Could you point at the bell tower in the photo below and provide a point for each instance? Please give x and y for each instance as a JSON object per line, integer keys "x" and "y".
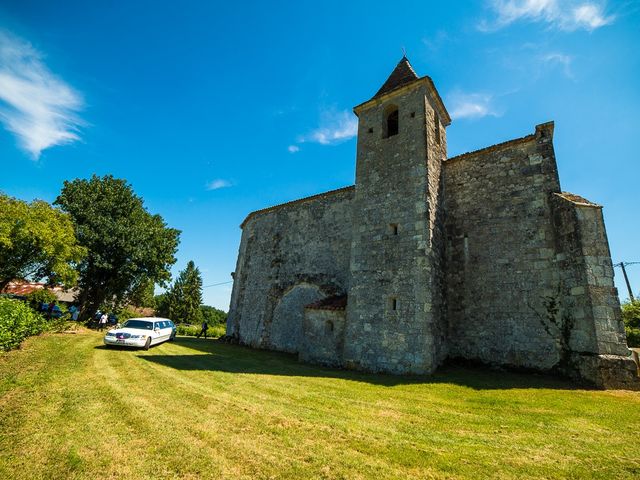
{"x": 395, "y": 312}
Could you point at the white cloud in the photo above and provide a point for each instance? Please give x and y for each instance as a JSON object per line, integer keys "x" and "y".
{"x": 590, "y": 16}
{"x": 335, "y": 127}
{"x": 566, "y": 15}
{"x": 218, "y": 184}
{"x": 560, "y": 59}
{"x": 471, "y": 105}
{"x": 293, "y": 148}
{"x": 35, "y": 105}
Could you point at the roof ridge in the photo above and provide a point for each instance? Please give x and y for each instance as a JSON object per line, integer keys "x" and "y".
{"x": 495, "y": 146}
{"x": 542, "y": 130}
{"x": 292, "y": 202}
{"x": 577, "y": 199}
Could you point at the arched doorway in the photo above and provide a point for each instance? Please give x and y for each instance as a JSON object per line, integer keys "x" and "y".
{"x": 286, "y": 326}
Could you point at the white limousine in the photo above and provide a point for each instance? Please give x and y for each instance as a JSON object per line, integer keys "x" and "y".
{"x": 141, "y": 332}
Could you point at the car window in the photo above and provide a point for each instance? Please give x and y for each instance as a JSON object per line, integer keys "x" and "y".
{"x": 163, "y": 324}
{"x": 138, "y": 324}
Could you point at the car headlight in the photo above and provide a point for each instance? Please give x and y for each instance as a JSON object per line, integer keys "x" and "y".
{"x": 139, "y": 336}
{"x": 109, "y": 334}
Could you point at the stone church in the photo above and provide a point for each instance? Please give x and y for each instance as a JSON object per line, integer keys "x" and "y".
{"x": 427, "y": 258}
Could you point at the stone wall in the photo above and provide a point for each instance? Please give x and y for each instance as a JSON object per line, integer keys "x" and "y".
{"x": 501, "y": 258}
{"x": 393, "y": 314}
{"x": 323, "y": 336}
{"x": 290, "y": 255}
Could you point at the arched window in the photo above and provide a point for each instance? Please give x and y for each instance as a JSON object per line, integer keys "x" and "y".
{"x": 391, "y": 121}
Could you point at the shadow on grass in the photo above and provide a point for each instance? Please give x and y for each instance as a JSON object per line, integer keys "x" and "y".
{"x": 118, "y": 347}
{"x": 239, "y": 359}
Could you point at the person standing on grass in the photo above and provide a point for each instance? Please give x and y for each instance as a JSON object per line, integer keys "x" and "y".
{"x": 103, "y": 321}
{"x": 204, "y": 330}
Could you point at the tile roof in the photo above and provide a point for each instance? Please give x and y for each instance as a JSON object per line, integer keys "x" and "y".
{"x": 337, "y": 302}
{"x": 572, "y": 197}
{"x": 22, "y": 288}
{"x": 402, "y": 75}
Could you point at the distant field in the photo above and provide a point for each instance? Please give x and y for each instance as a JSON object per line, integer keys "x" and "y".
{"x": 70, "y": 408}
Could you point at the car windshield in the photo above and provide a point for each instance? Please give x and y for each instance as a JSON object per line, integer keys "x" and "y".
{"x": 141, "y": 324}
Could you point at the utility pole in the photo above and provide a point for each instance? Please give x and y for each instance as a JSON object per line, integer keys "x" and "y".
{"x": 626, "y": 278}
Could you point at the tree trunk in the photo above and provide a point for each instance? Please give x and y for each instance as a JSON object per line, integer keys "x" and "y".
{"x": 4, "y": 283}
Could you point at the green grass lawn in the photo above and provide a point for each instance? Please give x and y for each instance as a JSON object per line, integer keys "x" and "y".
{"x": 69, "y": 408}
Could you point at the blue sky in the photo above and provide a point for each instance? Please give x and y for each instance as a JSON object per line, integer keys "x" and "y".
{"x": 213, "y": 111}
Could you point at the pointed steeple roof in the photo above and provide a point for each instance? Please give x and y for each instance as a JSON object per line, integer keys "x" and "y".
{"x": 401, "y": 75}
{"x": 404, "y": 77}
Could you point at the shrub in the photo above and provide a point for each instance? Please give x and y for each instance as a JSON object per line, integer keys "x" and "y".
{"x": 41, "y": 296}
{"x": 217, "y": 330}
{"x": 17, "y": 322}
{"x": 192, "y": 330}
{"x": 633, "y": 336}
{"x": 631, "y": 318}
{"x": 125, "y": 314}
{"x": 188, "y": 330}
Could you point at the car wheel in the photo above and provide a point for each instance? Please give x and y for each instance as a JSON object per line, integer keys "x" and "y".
{"x": 172, "y": 337}
{"x": 148, "y": 344}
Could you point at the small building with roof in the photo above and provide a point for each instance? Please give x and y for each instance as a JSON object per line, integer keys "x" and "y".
{"x": 22, "y": 288}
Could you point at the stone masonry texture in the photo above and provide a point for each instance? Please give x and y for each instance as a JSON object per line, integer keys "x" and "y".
{"x": 479, "y": 257}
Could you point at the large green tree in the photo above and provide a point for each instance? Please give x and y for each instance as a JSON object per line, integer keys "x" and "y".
{"x": 128, "y": 247}
{"x": 161, "y": 304}
{"x": 37, "y": 242}
{"x": 143, "y": 295}
{"x": 185, "y": 296}
{"x": 212, "y": 315}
